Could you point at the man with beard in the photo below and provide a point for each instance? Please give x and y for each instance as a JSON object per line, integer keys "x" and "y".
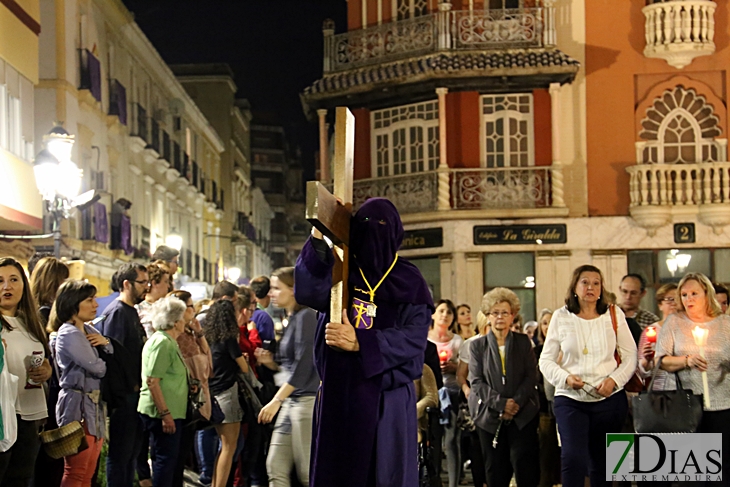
{"x": 365, "y": 430}
{"x": 122, "y": 323}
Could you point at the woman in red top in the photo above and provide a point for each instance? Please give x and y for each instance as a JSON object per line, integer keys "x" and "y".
{"x": 249, "y": 339}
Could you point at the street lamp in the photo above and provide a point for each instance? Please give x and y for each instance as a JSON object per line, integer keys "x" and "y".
{"x": 174, "y": 240}
{"x": 59, "y": 181}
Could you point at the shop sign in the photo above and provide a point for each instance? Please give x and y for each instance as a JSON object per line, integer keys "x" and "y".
{"x": 425, "y": 238}
{"x": 520, "y": 234}
{"x": 684, "y": 233}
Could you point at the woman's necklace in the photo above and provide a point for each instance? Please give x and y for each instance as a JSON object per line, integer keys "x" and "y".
{"x": 585, "y": 341}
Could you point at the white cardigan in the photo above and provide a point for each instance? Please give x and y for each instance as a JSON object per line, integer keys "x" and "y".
{"x": 570, "y": 334}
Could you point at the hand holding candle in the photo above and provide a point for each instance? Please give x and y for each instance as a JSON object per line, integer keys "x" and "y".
{"x": 651, "y": 341}
{"x": 700, "y": 336}
{"x": 443, "y": 356}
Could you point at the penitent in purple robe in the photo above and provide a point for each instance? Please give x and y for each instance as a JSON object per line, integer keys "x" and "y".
{"x": 365, "y": 430}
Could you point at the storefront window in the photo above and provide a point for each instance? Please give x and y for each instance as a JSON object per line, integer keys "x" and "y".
{"x": 515, "y": 271}
{"x": 430, "y": 267}
{"x": 662, "y": 266}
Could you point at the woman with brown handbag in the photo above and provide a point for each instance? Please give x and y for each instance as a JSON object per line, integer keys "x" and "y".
{"x": 589, "y": 381}
{"x": 80, "y": 372}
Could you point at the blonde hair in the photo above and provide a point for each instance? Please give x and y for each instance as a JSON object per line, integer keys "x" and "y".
{"x": 712, "y": 307}
{"x": 500, "y": 295}
{"x": 482, "y": 323}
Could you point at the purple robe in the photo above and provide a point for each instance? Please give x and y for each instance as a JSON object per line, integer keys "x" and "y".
{"x": 365, "y": 428}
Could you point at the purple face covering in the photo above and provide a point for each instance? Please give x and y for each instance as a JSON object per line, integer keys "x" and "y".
{"x": 376, "y": 233}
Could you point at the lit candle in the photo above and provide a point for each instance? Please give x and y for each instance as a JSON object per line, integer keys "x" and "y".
{"x": 651, "y": 334}
{"x": 700, "y": 336}
{"x": 443, "y": 356}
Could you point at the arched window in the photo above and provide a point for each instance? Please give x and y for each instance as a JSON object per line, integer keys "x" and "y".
{"x": 680, "y": 128}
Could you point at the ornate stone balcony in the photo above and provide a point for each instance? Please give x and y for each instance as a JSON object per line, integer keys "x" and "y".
{"x": 513, "y": 192}
{"x": 659, "y": 191}
{"x": 679, "y": 30}
{"x": 442, "y": 31}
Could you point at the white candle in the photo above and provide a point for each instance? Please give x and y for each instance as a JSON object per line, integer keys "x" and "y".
{"x": 700, "y": 336}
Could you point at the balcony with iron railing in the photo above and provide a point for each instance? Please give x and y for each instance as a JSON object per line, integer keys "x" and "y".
{"x": 445, "y": 30}
{"x": 679, "y": 30}
{"x": 118, "y": 100}
{"x": 503, "y": 191}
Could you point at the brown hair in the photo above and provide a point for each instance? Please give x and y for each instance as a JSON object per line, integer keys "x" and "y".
{"x": 713, "y": 307}
{"x": 571, "y": 300}
{"x": 244, "y": 298}
{"x": 27, "y": 308}
{"x": 183, "y": 296}
{"x": 48, "y": 275}
{"x": 449, "y": 304}
{"x": 664, "y": 290}
{"x": 70, "y": 295}
{"x": 156, "y": 272}
{"x": 286, "y": 275}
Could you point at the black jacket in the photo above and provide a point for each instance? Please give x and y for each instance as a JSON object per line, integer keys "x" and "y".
{"x": 489, "y": 392}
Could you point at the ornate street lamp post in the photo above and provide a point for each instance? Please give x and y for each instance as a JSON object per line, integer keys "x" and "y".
{"x": 59, "y": 181}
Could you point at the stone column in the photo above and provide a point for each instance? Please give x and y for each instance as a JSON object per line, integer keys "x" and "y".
{"x": 324, "y": 167}
{"x": 444, "y": 199}
{"x": 557, "y": 167}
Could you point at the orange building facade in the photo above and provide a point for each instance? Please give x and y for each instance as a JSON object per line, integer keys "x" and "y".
{"x": 520, "y": 139}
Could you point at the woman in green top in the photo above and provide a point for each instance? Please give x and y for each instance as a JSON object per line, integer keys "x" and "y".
{"x": 164, "y": 396}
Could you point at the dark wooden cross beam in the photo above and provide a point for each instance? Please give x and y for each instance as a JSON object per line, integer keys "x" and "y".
{"x": 331, "y": 213}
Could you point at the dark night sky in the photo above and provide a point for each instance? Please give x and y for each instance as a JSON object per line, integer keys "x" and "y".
{"x": 273, "y": 46}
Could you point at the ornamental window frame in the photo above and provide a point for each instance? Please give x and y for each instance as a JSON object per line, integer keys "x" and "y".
{"x": 493, "y": 111}
{"x": 409, "y": 9}
{"x": 665, "y": 116}
{"x": 401, "y": 125}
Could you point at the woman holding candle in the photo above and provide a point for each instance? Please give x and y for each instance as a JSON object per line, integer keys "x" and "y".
{"x": 448, "y": 344}
{"x": 666, "y": 298}
{"x": 702, "y": 367}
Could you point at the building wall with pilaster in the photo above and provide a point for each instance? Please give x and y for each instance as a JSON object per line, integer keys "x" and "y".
{"x": 113, "y": 114}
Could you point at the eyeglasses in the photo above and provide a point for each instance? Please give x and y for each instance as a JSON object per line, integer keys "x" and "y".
{"x": 591, "y": 390}
{"x": 251, "y": 309}
{"x": 144, "y": 282}
{"x": 500, "y": 314}
{"x": 669, "y": 300}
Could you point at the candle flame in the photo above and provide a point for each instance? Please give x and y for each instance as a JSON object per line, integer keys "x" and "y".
{"x": 700, "y": 336}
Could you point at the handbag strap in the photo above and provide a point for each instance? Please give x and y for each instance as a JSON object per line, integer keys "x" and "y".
{"x": 656, "y": 369}
{"x": 612, "y": 311}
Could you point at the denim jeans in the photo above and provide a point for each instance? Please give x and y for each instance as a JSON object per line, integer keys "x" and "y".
{"x": 206, "y": 449}
{"x": 125, "y": 437}
{"x": 165, "y": 448}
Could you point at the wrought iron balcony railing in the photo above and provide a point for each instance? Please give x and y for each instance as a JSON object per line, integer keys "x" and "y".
{"x": 467, "y": 189}
{"x": 441, "y": 31}
{"x": 90, "y": 73}
{"x": 410, "y": 193}
{"x": 503, "y": 187}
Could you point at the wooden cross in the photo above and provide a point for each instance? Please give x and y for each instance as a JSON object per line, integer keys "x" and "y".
{"x": 331, "y": 213}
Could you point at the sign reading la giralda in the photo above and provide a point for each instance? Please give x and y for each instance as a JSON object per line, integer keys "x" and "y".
{"x": 520, "y": 234}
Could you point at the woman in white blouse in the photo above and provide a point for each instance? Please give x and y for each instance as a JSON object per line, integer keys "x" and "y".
{"x": 589, "y": 401}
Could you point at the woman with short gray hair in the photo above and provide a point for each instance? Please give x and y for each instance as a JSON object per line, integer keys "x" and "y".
{"x": 164, "y": 396}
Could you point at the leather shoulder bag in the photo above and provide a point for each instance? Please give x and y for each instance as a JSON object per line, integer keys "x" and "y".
{"x": 635, "y": 384}
{"x": 677, "y": 411}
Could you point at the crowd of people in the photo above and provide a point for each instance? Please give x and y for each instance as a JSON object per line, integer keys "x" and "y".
{"x": 156, "y": 382}
{"x": 161, "y": 384}
{"x": 542, "y": 396}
